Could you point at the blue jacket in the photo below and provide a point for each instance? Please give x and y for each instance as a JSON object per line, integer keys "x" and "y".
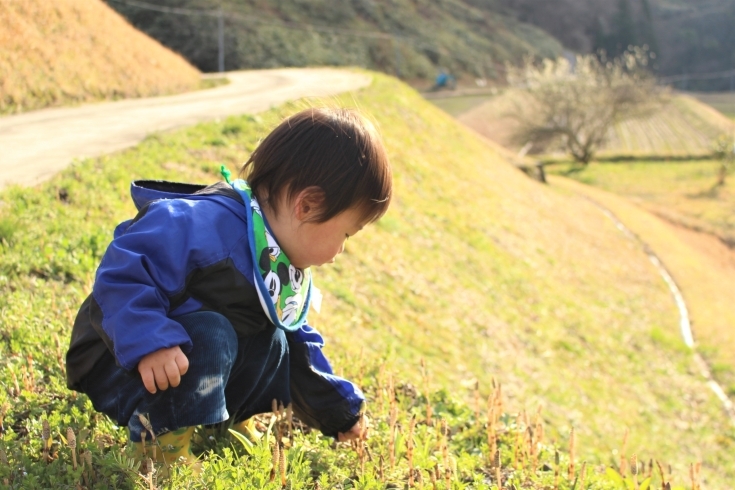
{"x": 187, "y": 250}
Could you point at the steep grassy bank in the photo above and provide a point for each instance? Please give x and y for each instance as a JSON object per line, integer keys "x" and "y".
{"x": 71, "y": 51}
{"x": 476, "y": 269}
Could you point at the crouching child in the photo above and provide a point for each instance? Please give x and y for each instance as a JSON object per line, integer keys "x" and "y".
{"x": 198, "y": 314}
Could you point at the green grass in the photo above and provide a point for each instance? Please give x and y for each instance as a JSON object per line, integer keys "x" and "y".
{"x": 683, "y": 192}
{"x": 476, "y": 269}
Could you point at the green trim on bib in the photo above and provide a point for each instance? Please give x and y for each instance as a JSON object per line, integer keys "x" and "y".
{"x": 284, "y": 290}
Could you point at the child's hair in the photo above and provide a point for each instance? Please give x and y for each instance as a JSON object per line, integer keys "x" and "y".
{"x": 337, "y": 150}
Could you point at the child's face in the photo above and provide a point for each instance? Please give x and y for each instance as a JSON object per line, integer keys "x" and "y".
{"x": 315, "y": 244}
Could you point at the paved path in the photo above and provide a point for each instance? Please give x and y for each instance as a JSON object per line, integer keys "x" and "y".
{"x": 36, "y": 145}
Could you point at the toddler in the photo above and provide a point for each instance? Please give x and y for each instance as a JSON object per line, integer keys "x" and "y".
{"x": 198, "y": 311}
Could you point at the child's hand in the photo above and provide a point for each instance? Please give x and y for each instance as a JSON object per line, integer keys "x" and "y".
{"x": 163, "y": 368}
{"x": 355, "y": 432}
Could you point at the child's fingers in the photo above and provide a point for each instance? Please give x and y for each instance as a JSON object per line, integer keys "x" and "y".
{"x": 161, "y": 378}
{"x": 353, "y": 433}
{"x": 148, "y": 381}
{"x": 182, "y": 362}
{"x": 172, "y": 374}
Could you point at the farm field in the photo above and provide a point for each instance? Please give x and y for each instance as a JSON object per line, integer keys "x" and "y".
{"x": 682, "y": 128}
{"x": 476, "y": 270}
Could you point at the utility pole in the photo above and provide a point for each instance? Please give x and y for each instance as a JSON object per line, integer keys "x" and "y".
{"x": 221, "y": 40}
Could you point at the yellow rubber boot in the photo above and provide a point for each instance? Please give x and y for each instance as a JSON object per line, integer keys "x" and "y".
{"x": 247, "y": 428}
{"x": 172, "y": 447}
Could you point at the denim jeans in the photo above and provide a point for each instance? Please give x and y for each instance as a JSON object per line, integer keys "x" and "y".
{"x": 229, "y": 378}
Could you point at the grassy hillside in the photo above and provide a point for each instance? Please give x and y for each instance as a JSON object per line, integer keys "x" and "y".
{"x": 414, "y": 38}
{"x": 70, "y": 51}
{"x": 700, "y": 215}
{"x": 476, "y": 269}
{"x": 683, "y": 128}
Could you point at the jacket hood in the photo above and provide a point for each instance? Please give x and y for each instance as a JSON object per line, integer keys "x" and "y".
{"x": 146, "y": 191}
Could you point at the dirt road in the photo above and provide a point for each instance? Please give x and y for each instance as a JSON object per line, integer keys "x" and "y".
{"x": 36, "y": 145}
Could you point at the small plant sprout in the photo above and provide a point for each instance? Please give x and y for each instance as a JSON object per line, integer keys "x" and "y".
{"x": 572, "y": 443}
{"x": 409, "y": 450}
{"x": 45, "y": 439}
{"x": 444, "y": 441}
{"x": 88, "y": 461}
{"x": 425, "y": 378}
{"x": 662, "y": 473}
{"x": 634, "y": 469}
{"x": 623, "y": 460}
{"x": 282, "y": 466}
{"x": 143, "y": 435}
{"x": 497, "y": 467}
{"x": 694, "y": 475}
{"x": 15, "y": 385}
{"x": 71, "y": 442}
{"x": 476, "y": 393}
{"x": 31, "y": 373}
{"x": 582, "y": 475}
{"x": 275, "y": 467}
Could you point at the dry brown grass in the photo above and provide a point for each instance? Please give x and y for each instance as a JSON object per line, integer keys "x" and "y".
{"x": 69, "y": 51}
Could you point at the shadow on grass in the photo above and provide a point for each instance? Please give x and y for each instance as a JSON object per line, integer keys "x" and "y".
{"x": 572, "y": 170}
{"x": 710, "y": 193}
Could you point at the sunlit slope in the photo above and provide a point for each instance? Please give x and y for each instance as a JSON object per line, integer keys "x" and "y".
{"x": 76, "y": 50}
{"x": 702, "y": 266}
{"x": 476, "y": 269}
{"x": 486, "y": 273}
{"x": 682, "y": 127}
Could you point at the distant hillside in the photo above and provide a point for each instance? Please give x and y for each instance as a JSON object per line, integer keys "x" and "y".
{"x": 77, "y": 50}
{"x": 690, "y": 36}
{"x": 684, "y": 127}
{"x": 418, "y": 37}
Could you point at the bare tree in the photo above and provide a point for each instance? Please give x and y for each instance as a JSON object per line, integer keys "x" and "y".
{"x": 576, "y": 101}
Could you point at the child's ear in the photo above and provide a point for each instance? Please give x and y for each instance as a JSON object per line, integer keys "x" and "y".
{"x": 308, "y": 203}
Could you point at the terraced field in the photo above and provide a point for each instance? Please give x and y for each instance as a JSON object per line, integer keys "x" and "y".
{"x": 682, "y": 128}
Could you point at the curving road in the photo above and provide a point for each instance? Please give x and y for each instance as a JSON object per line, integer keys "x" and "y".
{"x": 36, "y": 145}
